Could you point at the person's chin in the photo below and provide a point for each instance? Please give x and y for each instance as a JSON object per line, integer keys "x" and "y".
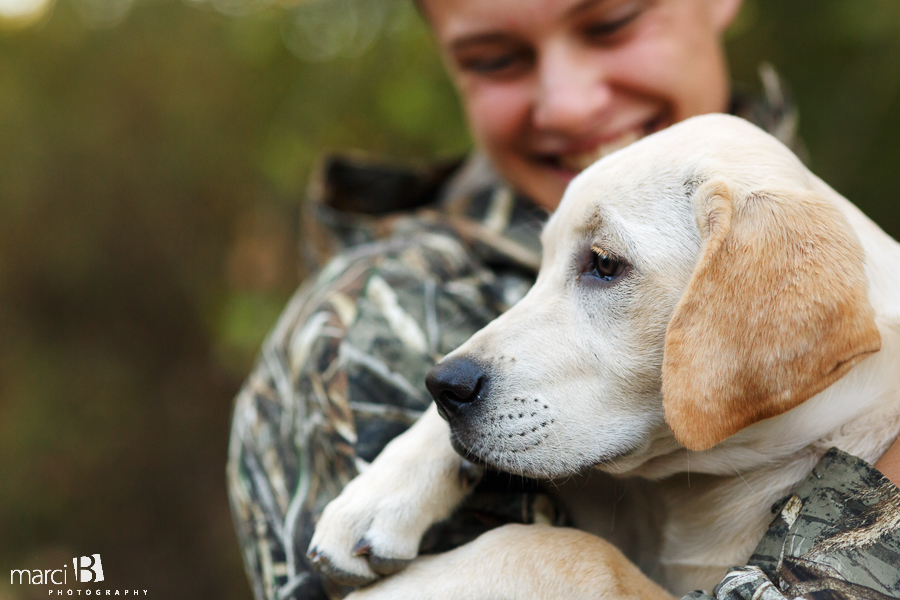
{"x": 549, "y": 190}
{"x": 562, "y": 175}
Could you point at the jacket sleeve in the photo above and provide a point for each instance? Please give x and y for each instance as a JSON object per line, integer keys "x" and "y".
{"x": 838, "y": 536}
{"x": 341, "y": 374}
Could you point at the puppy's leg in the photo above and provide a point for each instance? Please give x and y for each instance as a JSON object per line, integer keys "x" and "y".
{"x": 375, "y": 526}
{"x": 521, "y": 562}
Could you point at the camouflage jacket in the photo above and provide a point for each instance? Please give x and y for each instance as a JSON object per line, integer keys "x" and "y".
{"x": 837, "y": 536}
{"x": 343, "y": 371}
{"x": 414, "y": 264}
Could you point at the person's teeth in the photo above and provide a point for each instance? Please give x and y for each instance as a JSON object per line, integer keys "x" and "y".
{"x": 581, "y": 161}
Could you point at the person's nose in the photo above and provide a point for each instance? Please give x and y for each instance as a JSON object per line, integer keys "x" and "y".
{"x": 572, "y": 91}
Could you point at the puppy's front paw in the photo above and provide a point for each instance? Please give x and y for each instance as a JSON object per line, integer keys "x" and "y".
{"x": 375, "y": 526}
{"x": 365, "y": 532}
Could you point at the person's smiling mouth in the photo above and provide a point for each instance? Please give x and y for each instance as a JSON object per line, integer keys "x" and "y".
{"x": 573, "y": 162}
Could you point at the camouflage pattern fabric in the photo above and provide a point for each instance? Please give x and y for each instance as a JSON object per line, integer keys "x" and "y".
{"x": 838, "y": 536}
{"x": 421, "y": 261}
{"x": 343, "y": 371}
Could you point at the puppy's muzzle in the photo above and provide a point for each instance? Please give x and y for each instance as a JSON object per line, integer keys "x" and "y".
{"x": 455, "y": 384}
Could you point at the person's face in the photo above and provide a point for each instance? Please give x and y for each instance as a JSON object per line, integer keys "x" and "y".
{"x": 550, "y": 86}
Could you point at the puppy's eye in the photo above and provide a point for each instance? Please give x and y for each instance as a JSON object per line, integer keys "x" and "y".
{"x": 606, "y": 266}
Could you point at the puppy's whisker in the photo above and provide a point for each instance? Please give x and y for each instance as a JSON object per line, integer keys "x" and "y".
{"x": 612, "y": 461}
{"x": 518, "y": 467}
{"x": 454, "y": 437}
{"x": 688, "y": 453}
{"x": 554, "y": 483}
{"x": 739, "y": 473}
{"x": 556, "y": 435}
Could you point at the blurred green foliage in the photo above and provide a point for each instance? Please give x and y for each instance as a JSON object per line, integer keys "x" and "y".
{"x": 842, "y": 61}
{"x": 152, "y": 164}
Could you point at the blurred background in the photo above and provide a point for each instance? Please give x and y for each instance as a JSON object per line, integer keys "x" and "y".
{"x": 153, "y": 157}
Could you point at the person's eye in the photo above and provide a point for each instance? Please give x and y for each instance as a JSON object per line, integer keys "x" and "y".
{"x": 499, "y": 65}
{"x": 607, "y": 29}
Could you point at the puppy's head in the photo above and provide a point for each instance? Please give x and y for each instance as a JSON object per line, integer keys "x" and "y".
{"x": 692, "y": 285}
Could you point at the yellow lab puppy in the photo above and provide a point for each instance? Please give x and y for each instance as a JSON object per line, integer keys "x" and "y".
{"x": 705, "y": 306}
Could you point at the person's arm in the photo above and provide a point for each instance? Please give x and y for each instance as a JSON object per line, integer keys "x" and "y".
{"x": 838, "y": 535}
{"x": 291, "y": 443}
{"x": 308, "y": 416}
{"x": 339, "y": 377}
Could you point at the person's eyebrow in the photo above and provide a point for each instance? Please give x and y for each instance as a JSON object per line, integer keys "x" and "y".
{"x": 495, "y": 37}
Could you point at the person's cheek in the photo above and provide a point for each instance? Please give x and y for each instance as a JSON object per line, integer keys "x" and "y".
{"x": 498, "y": 116}
{"x": 691, "y": 55}
{"x": 654, "y": 67}
{"x": 658, "y": 60}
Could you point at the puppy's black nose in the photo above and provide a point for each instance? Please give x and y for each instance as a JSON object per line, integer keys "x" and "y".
{"x": 454, "y": 384}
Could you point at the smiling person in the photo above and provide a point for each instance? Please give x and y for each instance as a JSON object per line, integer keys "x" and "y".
{"x": 551, "y": 86}
{"x": 414, "y": 263}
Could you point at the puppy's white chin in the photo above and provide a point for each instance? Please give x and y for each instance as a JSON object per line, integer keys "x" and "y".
{"x": 540, "y": 459}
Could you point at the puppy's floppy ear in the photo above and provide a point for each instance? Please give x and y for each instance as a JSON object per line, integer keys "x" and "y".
{"x": 775, "y": 312}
